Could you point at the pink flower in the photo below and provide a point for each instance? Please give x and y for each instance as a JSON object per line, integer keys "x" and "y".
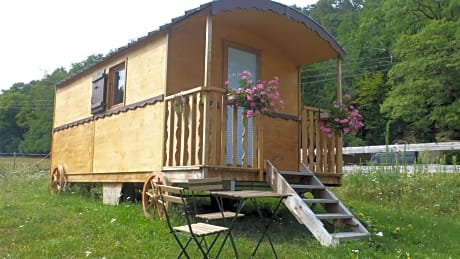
{"x": 256, "y": 97}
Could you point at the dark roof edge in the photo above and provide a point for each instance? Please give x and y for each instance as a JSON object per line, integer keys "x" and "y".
{"x": 227, "y": 5}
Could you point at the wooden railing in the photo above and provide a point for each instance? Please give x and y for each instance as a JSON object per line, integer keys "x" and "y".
{"x": 322, "y": 154}
{"x": 196, "y": 131}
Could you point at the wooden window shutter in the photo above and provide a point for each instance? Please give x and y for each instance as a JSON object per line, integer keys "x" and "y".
{"x": 98, "y": 96}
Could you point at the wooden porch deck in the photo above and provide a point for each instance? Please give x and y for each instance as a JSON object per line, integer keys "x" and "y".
{"x": 195, "y": 140}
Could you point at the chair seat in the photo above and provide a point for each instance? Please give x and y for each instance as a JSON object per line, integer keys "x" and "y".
{"x": 201, "y": 229}
{"x": 218, "y": 215}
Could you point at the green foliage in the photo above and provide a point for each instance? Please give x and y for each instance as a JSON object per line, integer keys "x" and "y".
{"x": 403, "y": 66}
{"x": 425, "y": 92}
{"x": 26, "y": 111}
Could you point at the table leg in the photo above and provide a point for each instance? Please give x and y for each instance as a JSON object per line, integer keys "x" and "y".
{"x": 267, "y": 224}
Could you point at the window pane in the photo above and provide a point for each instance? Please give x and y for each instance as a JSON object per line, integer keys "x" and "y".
{"x": 119, "y": 86}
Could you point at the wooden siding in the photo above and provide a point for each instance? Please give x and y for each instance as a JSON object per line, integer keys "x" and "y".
{"x": 73, "y": 102}
{"x": 186, "y": 53}
{"x": 73, "y": 148}
{"x": 146, "y": 71}
{"x": 146, "y": 66}
{"x": 281, "y": 143}
{"x": 129, "y": 142}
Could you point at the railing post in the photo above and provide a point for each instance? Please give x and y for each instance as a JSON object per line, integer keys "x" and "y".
{"x": 260, "y": 146}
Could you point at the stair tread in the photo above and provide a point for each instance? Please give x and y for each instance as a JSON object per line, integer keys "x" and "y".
{"x": 320, "y": 200}
{"x": 308, "y": 186}
{"x": 306, "y": 215}
{"x": 333, "y": 216}
{"x": 296, "y": 173}
{"x": 349, "y": 235}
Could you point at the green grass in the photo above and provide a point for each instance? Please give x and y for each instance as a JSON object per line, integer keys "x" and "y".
{"x": 23, "y": 164}
{"x": 417, "y": 216}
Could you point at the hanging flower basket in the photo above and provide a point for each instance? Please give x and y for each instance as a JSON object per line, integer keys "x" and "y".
{"x": 343, "y": 118}
{"x": 255, "y": 97}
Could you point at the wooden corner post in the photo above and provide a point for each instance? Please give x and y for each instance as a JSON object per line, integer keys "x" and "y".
{"x": 206, "y": 83}
{"x": 339, "y": 144}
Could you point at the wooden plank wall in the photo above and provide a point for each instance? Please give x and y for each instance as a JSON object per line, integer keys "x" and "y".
{"x": 73, "y": 148}
{"x": 129, "y": 142}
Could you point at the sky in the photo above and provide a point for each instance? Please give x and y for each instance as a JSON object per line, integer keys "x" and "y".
{"x": 38, "y": 36}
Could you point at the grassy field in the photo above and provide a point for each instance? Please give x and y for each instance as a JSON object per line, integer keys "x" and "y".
{"x": 410, "y": 216}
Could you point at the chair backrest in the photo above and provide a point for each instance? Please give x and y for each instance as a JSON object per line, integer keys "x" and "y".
{"x": 205, "y": 184}
{"x": 170, "y": 194}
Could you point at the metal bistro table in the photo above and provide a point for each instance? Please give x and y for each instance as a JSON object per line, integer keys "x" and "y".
{"x": 242, "y": 196}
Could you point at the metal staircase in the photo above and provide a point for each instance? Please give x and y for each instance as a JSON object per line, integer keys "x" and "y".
{"x": 314, "y": 206}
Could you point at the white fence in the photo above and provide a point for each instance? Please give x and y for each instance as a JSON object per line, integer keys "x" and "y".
{"x": 402, "y": 147}
{"x": 429, "y": 168}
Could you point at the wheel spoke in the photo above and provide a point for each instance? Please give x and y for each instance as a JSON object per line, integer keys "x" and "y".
{"x": 151, "y": 194}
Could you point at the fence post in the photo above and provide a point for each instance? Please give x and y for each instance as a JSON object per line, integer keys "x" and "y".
{"x": 14, "y": 162}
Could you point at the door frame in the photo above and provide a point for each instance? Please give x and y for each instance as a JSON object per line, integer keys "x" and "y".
{"x": 226, "y": 46}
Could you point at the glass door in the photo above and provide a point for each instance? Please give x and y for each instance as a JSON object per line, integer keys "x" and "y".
{"x": 237, "y": 61}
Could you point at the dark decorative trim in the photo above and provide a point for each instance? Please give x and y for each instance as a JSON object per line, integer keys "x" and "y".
{"x": 283, "y": 116}
{"x": 228, "y": 5}
{"x": 133, "y": 106}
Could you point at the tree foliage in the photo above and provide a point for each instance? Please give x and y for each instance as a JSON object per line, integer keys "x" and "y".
{"x": 402, "y": 65}
{"x": 26, "y": 111}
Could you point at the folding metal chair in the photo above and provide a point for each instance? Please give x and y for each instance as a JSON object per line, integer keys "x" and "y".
{"x": 194, "y": 232}
{"x": 205, "y": 185}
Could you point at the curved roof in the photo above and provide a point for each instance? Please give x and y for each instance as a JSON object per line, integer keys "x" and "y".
{"x": 218, "y": 6}
{"x": 280, "y": 9}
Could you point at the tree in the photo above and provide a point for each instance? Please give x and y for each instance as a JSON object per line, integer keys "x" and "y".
{"x": 36, "y": 113}
{"x": 26, "y": 110}
{"x": 425, "y": 90}
{"x": 10, "y": 131}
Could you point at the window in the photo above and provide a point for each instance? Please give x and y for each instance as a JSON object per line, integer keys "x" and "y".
{"x": 116, "y": 88}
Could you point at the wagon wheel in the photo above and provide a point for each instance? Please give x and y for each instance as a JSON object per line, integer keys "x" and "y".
{"x": 151, "y": 195}
{"x": 58, "y": 180}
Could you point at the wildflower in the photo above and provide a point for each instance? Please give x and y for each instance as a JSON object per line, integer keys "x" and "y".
{"x": 397, "y": 229}
{"x": 356, "y": 251}
{"x": 380, "y": 234}
{"x": 410, "y": 227}
{"x": 113, "y": 220}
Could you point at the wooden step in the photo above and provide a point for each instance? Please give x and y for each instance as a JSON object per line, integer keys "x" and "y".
{"x": 333, "y": 216}
{"x": 349, "y": 235}
{"x": 307, "y": 187}
{"x": 296, "y": 173}
{"x": 300, "y": 207}
{"x": 322, "y": 201}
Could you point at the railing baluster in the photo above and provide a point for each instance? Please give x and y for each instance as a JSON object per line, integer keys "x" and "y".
{"x": 319, "y": 145}
{"x": 255, "y": 141}
{"x": 199, "y": 133}
{"x": 234, "y": 135}
{"x": 244, "y": 142}
{"x": 193, "y": 131}
{"x": 167, "y": 136}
